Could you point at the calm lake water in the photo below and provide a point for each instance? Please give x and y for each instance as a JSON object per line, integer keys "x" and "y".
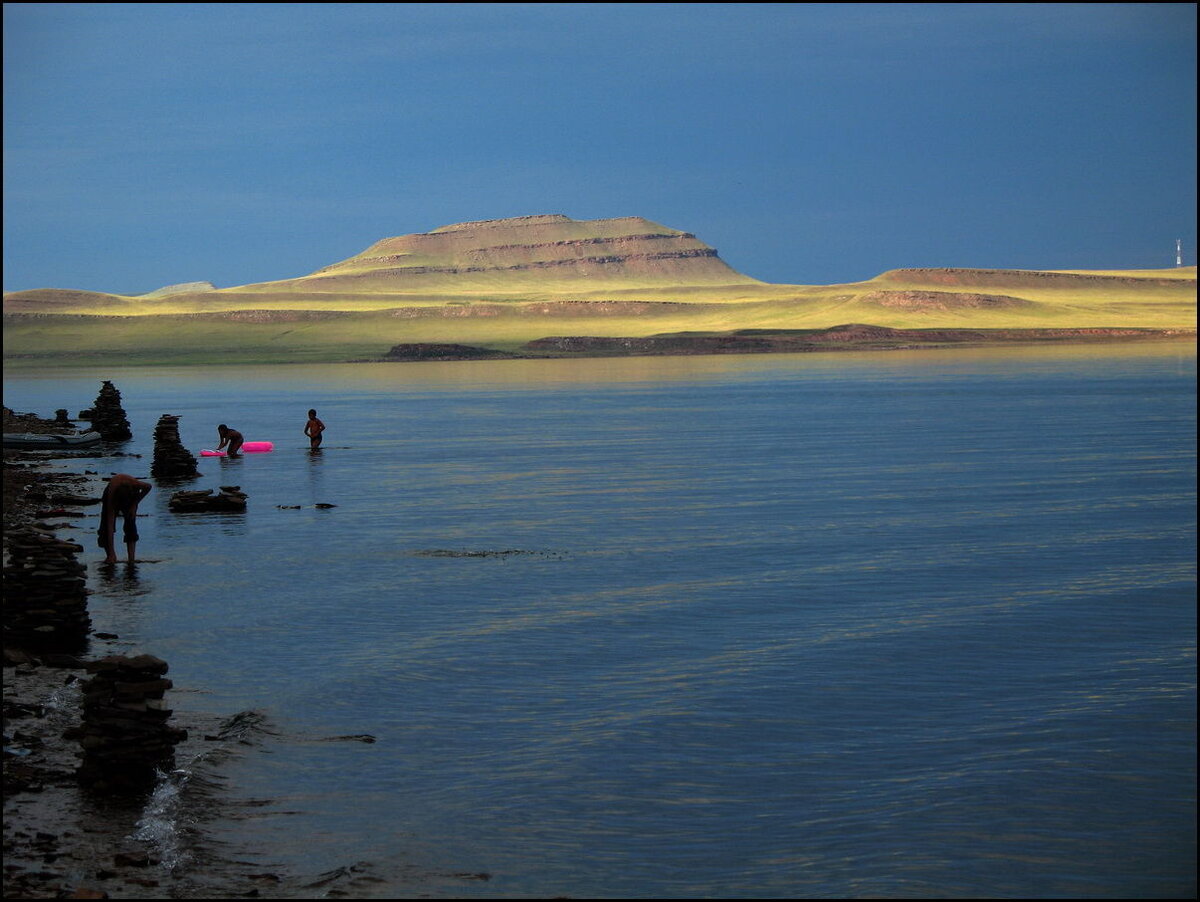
{"x": 843, "y": 625}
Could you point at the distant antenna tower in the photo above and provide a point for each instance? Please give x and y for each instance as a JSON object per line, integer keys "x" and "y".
{"x": 1178, "y": 252}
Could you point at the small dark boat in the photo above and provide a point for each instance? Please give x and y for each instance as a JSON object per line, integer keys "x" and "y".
{"x": 32, "y": 441}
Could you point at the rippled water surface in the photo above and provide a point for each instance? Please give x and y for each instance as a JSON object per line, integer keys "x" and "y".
{"x": 903, "y": 624}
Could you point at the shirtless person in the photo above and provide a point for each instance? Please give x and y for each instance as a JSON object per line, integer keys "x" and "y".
{"x": 313, "y": 429}
{"x": 121, "y": 496}
{"x": 232, "y": 437}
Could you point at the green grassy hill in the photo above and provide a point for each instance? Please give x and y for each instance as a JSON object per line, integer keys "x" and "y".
{"x": 502, "y": 283}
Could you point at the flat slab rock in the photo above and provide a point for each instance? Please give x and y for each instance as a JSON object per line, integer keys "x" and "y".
{"x": 230, "y": 498}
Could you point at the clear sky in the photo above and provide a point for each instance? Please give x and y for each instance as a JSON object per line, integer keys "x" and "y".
{"x": 152, "y": 144}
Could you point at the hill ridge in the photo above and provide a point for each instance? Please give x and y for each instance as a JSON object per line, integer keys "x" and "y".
{"x": 956, "y": 276}
{"x": 628, "y": 249}
{"x": 499, "y": 283}
{"x": 530, "y": 219}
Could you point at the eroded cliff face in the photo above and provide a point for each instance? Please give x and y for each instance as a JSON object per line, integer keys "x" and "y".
{"x": 1022, "y": 278}
{"x": 531, "y": 249}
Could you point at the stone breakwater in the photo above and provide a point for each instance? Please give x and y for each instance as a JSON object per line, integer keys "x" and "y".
{"x": 125, "y": 737}
{"x": 45, "y": 592}
{"x": 171, "y": 459}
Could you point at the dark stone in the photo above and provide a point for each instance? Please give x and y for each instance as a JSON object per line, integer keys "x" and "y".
{"x": 171, "y": 459}
{"x": 417, "y": 352}
{"x": 108, "y": 417}
{"x": 60, "y": 660}
{"x": 124, "y": 736}
{"x": 205, "y": 500}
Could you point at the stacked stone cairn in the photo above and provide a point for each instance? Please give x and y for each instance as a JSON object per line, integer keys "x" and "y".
{"x": 125, "y": 736}
{"x": 230, "y": 498}
{"x": 45, "y": 592}
{"x": 171, "y": 459}
{"x": 107, "y": 415}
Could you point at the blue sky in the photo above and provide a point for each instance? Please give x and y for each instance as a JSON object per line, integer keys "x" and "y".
{"x": 151, "y": 144}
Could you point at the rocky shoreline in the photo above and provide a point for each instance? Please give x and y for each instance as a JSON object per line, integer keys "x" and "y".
{"x": 848, "y": 337}
{"x": 90, "y": 784}
{"x": 47, "y": 854}
{"x": 85, "y": 727}
{"x": 106, "y": 793}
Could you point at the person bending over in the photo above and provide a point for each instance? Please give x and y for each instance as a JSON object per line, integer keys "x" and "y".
{"x": 121, "y": 496}
{"x": 230, "y": 437}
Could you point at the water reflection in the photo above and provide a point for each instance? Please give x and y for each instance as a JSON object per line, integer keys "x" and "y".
{"x": 316, "y": 473}
{"x": 231, "y": 523}
{"x": 331, "y": 379}
{"x": 122, "y": 581}
{"x": 122, "y": 572}
{"x": 819, "y": 593}
{"x": 172, "y": 483}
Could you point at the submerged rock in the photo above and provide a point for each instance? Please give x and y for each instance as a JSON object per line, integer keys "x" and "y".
{"x": 229, "y": 498}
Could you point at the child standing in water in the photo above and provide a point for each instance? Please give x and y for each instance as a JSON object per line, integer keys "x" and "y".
{"x": 313, "y": 429}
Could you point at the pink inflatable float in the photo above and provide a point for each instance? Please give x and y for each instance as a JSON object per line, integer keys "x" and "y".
{"x": 247, "y": 448}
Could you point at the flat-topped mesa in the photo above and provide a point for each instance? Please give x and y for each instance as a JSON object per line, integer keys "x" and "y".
{"x": 518, "y": 221}
{"x": 525, "y": 249}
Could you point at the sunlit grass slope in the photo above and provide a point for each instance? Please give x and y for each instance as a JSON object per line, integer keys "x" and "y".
{"x": 502, "y": 283}
{"x": 330, "y": 336}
